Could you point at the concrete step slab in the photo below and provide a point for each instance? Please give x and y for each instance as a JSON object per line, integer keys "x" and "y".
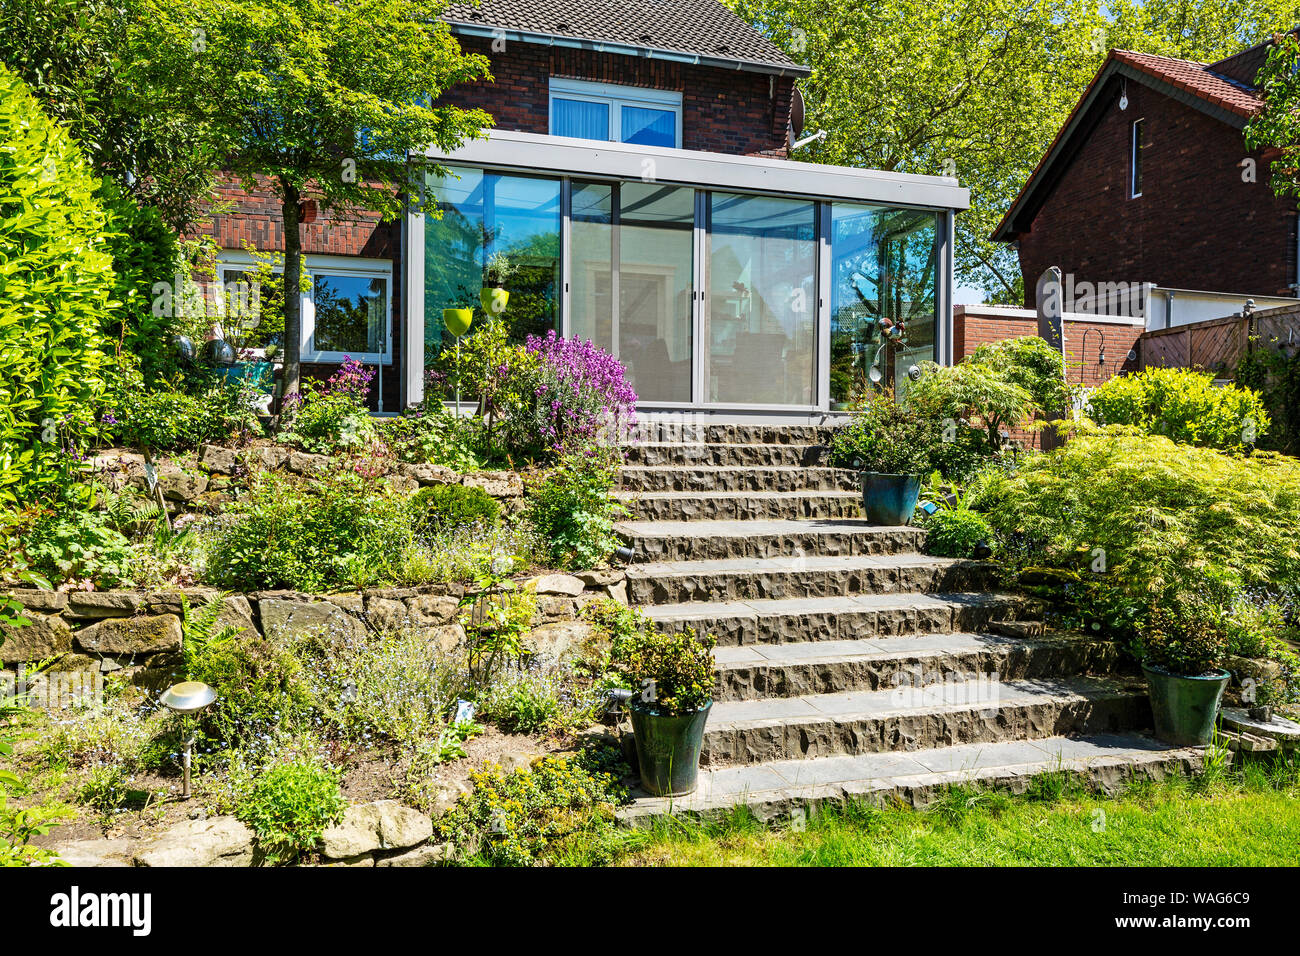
{"x": 910, "y": 717}
{"x": 759, "y": 671}
{"x": 732, "y": 579}
{"x": 840, "y": 617}
{"x": 776, "y": 791}
{"x": 771, "y": 538}
{"x": 699, "y": 454}
{"x": 693, "y": 478}
{"x": 739, "y": 505}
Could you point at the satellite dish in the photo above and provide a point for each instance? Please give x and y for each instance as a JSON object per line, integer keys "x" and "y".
{"x": 797, "y": 114}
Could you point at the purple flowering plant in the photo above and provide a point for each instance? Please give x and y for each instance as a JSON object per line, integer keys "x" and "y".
{"x": 581, "y": 399}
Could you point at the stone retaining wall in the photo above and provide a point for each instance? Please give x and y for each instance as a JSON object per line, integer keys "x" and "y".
{"x": 138, "y": 633}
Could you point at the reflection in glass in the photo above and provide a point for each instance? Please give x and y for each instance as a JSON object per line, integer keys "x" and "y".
{"x": 649, "y": 127}
{"x": 350, "y": 313}
{"x": 483, "y": 215}
{"x": 762, "y": 298}
{"x": 641, "y": 311}
{"x": 883, "y": 306}
{"x": 579, "y": 118}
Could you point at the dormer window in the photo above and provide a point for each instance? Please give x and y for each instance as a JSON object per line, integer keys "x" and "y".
{"x": 616, "y": 114}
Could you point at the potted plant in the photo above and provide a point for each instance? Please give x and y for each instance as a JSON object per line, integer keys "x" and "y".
{"x": 889, "y": 446}
{"x": 1182, "y": 645}
{"x": 494, "y": 295}
{"x": 671, "y": 676}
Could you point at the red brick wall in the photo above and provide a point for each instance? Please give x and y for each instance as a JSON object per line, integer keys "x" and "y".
{"x": 723, "y": 111}
{"x": 973, "y": 327}
{"x": 1197, "y": 225}
{"x": 254, "y": 219}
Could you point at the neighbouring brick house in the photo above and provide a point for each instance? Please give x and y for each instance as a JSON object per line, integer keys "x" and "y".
{"x": 1149, "y": 181}
{"x": 637, "y": 180}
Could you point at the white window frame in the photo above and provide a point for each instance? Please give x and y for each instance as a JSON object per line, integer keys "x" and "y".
{"x": 313, "y": 265}
{"x": 1134, "y": 157}
{"x": 615, "y": 96}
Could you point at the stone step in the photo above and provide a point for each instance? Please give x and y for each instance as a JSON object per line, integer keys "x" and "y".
{"x": 824, "y": 667}
{"x": 750, "y": 579}
{"x": 840, "y": 617}
{"x": 710, "y": 478}
{"x": 905, "y": 718}
{"x": 739, "y": 505}
{"x": 660, "y": 429}
{"x": 771, "y": 538}
{"x": 699, "y": 455}
{"x": 782, "y": 790}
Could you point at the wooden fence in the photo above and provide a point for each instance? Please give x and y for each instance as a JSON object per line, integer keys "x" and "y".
{"x": 1217, "y": 345}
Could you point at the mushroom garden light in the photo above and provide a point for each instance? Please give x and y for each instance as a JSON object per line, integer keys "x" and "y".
{"x": 187, "y": 697}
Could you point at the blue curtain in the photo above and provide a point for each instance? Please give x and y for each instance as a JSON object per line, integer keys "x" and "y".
{"x": 649, "y": 127}
{"x": 579, "y": 119}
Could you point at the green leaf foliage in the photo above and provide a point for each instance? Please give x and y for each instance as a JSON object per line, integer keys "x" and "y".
{"x": 1183, "y": 405}
{"x": 56, "y": 285}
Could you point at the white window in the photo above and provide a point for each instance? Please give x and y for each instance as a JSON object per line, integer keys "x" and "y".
{"x": 617, "y": 114}
{"x": 1135, "y": 161}
{"x": 348, "y": 311}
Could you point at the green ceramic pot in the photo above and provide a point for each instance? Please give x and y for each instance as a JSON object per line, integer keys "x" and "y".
{"x": 1184, "y": 708}
{"x": 494, "y": 300}
{"x": 668, "y": 749}
{"x": 457, "y": 320}
{"x": 889, "y": 499}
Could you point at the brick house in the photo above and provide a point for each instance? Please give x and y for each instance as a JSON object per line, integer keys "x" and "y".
{"x": 1149, "y": 181}
{"x": 636, "y": 181}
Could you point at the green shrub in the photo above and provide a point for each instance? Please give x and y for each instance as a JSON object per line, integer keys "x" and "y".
{"x": 1182, "y": 405}
{"x": 169, "y": 420}
{"x": 955, "y": 532}
{"x": 1149, "y": 513}
{"x": 972, "y": 393}
{"x": 1183, "y": 634}
{"x": 1030, "y": 362}
{"x": 310, "y": 535}
{"x": 573, "y": 512}
{"x": 76, "y": 545}
{"x": 332, "y": 416}
{"x": 528, "y": 815}
{"x": 260, "y": 690}
{"x": 527, "y": 703}
{"x": 431, "y": 434}
{"x": 885, "y": 437}
{"x": 444, "y": 507}
{"x": 290, "y": 806}
{"x": 672, "y": 673}
{"x": 55, "y": 289}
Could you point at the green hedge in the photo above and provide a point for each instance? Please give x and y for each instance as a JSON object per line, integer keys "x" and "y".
{"x": 1183, "y": 405}
{"x": 56, "y": 283}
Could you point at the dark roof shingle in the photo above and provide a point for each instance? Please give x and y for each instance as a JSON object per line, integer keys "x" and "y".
{"x": 694, "y": 27}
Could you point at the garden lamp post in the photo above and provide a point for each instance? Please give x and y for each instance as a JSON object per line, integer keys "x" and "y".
{"x": 187, "y": 697}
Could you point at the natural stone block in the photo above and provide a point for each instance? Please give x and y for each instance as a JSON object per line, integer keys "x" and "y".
{"x": 286, "y": 620}
{"x": 498, "y": 484}
{"x": 559, "y": 640}
{"x": 148, "y": 634}
{"x": 382, "y": 825}
{"x": 430, "y": 855}
{"x": 218, "y": 841}
{"x": 44, "y": 637}
{"x": 601, "y": 579}
{"x": 35, "y": 599}
{"x": 96, "y": 604}
{"x": 86, "y": 853}
{"x": 427, "y": 474}
{"x": 434, "y": 609}
{"x": 618, "y": 592}
{"x": 388, "y": 614}
{"x": 302, "y": 463}
{"x": 559, "y": 584}
{"x": 218, "y": 460}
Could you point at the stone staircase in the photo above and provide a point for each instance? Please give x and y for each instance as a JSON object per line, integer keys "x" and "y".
{"x": 850, "y": 663}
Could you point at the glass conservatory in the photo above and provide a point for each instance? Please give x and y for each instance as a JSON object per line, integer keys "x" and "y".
{"x": 726, "y": 284}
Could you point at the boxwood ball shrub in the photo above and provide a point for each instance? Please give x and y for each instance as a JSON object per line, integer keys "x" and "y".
{"x": 1183, "y": 405}
{"x": 443, "y": 507}
{"x": 55, "y": 290}
{"x": 955, "y": 532}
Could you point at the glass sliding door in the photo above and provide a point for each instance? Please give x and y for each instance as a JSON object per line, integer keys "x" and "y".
{"x": 883, "y": 306}
{"x": 631, "y": 277}
{"x": 491, "y": 219}
{"x": 761, "y": 300}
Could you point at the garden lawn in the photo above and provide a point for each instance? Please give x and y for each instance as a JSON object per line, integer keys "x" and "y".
{"x": 1248, "y": 822}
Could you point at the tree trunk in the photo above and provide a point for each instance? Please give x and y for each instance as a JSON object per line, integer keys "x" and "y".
{"x": 292, "y": 297}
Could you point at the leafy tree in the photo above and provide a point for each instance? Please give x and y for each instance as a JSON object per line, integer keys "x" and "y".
{"x": 972, "y": 392}
{"x": 1277, "y": 126}
{"x": 78, "y": 58}
{"x": 979, "y": 89}
{"x": 316, "y": 99}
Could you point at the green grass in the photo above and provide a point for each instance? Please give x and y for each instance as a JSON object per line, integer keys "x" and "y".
{"x": 1248, "y": 817}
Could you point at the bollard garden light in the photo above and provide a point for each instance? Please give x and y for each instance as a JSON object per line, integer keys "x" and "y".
{"x": 187, "y": 697}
